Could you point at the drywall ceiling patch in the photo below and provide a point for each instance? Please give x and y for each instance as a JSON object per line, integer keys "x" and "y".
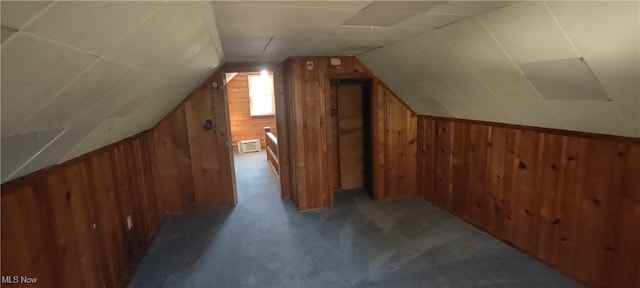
{"x": 566, "y": 79}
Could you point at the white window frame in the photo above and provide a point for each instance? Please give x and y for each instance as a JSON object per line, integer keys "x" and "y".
{"x": 254, "y": 94}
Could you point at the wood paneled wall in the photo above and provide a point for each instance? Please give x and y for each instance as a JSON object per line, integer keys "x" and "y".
{"x": 194, "y": 165}
{"x": 67, "y": 225}
{"x": 394, "y": 124}
{"x": 571, "y": 200}
{"x": 243, "y": 125}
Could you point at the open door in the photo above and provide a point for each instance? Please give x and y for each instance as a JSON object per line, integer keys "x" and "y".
{"x": 350, "y": 101}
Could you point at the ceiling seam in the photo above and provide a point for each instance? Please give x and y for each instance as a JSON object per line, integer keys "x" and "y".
{"x": 496, "y": 98}
{"x": 542, "y": 99}
{"x": 134, "y": 28}
{"x": 564, "y": 33}
{"x": 453, "y": 89}
{"x": 475, "y": 74}
{"x": 575, "y": 48}
{"x": 413, "y": 46}
{"x": 36, "y": 154}
{"x": 412, "y": 75}
{"x": 35, "y": 17}
{"x": 45, "y": 104}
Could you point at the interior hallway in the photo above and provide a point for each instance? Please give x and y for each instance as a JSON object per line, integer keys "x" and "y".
{"x": 265, "y": 242}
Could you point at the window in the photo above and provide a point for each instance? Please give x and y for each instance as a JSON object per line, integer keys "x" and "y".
{"x": 261, "y": 94}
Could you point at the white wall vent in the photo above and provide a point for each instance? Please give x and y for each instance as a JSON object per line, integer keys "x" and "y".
{"x": 249, "y": 146}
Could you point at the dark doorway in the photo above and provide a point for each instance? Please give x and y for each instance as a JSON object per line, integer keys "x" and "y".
{"x": 351, "y": 141}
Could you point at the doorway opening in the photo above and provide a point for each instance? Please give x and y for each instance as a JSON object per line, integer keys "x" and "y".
{"x": 253, "y": 132}
{"x": 351, "y": 135}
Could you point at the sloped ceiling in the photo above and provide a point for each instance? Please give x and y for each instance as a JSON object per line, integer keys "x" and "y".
{"x": 568, "y": 65}
{"x": 77, "y": 76}
{"x": 275, "y": 30}
{"x": 80, "y": 75}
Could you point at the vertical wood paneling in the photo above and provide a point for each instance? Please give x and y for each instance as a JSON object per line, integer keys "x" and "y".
{"x": 66, "y": 225}
{"x": 571, "y": 201}
{"x": 193, "y": 164}
{"x": 394, "y": 132}
{"x": 426, "y": 150}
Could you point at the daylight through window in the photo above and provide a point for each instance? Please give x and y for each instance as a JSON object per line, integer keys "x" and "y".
{"x": 261, "y": 94}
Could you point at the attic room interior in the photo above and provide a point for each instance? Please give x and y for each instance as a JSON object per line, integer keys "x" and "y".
{"x": 406, "y": 144}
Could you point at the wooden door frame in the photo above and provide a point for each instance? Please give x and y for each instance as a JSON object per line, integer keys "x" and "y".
{"x": 376, "y": 193}
{"x": 282, "y": 119}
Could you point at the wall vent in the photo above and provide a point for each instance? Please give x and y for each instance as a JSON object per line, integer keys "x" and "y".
{"x": 246, "y": 146}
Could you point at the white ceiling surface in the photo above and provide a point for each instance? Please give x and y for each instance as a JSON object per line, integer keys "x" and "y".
{"x": 77, "y": 76}
{"x": 275, "y": 30}
{"x": 472, "y": 69}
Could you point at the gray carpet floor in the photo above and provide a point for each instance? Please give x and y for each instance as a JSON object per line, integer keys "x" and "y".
{"x": 265, "y": 242}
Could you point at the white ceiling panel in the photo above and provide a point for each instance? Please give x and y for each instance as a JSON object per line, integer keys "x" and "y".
{"x": 590, "y": 116}
{"x": 491, "y": 110}
{"x": 6, "y": 33}
{"x": 578, "y": 82}
{"x": 173, "y": 57}
{"x": 459, "y": 108}
{"x": 413, "y": 62}
{"x": 240, "y": 30}
{"x": 83, "y": 94}
{"x": 57, "y": 149}
{"x": 138, "y": 84}
{"x": 427, "y": 107}
{"x": 19, "y": 150}
{"x": 607, "y": 34}
{"x": 532, "y": 112}
{"x": 469, "y": 8}
{"x": 529, "y": 33}
{"x": 430, "y": 21}
{"x": 401, "y": 6}
{"x": 132, "y": 125}
{"x": 440, "y": 56}
{"x": 346, "y": 5}
{"x": 377, "y": 19}
{"x": 237, "y": 13}
{"x": 104, "y": 23}
{"x": 94, "y": 140}
{"x": 168, "y": 23}
{"x": 630, "y": 113}
{"x": 33, "y": 72}
{"x": 16, "y": 14}
{"x": 484, "y": 56}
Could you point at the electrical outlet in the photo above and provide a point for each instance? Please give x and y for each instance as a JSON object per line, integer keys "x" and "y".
{"x": 129, "y": 222}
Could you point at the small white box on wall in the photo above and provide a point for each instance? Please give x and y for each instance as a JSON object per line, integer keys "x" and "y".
{"x": 246, "y": 146}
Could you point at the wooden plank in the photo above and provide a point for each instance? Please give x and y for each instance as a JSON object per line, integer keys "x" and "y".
{"x": 476, "y": 201}
{"x": 554, "y": 150}
{"x": 625, "y": 262}
{"x": 411, "y": 152}
{"x": 497, "y": 152}
{"x": 525, "y": 200}
{"x": 169, "y": 194}
{"x": 326, "y": 198}
{"x": 427, "y": 156}
{"x": 602, "y": 174}
{"x": 298, "y": 135}
{"x": 379, "y": 147}
{"x": 510, "y": 165}
{"x": 180, "y": 137}
{"x": 459, "y": 167}
{"x": 25, "y": 237}
{"x": 569, "y": 197}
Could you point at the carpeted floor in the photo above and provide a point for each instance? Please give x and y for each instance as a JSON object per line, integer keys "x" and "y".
{"x": 265, "y": 242}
